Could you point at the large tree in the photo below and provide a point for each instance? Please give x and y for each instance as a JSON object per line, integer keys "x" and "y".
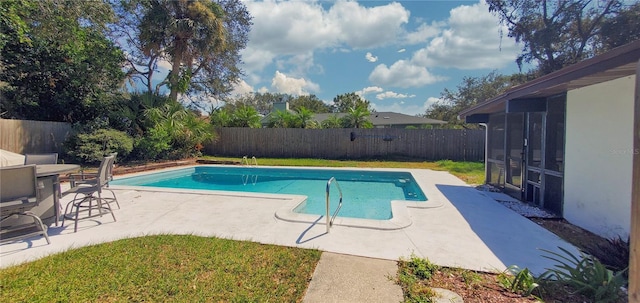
{"x": 311, "y": 103}
{"x": 622, "y": 28}
{"x": 201, "y": 39}
{"x": 59, "y": 65}
{"x": 13, "y": 25}
{"x": 345, "y": 102}
{"x": 554, "y": 33}
{"x": 262, "y": 102}
{"x": 471, "y": 91}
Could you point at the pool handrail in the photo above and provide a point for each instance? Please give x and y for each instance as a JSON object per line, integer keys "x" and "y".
{"x": 245, "y": 161}
{"x": 330, "y": 219}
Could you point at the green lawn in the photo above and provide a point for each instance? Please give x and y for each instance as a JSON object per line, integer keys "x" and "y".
{"x": 164, "y": 269}
{"x": 470, "y": 172}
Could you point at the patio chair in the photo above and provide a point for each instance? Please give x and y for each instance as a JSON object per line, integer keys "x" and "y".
{"x": 84, "y": 178}
{"x": 51, "y": 158}
{"x": 18, "y": 195}
{"x": 88, "y": 197}
{"x": 38, "y": 159}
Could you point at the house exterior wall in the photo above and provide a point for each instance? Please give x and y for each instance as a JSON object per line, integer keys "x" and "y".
{"x": 599, "y": 150}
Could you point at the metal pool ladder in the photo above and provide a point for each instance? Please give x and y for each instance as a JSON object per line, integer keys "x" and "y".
{"x": 245, "y": 161}
{"x": 330, "y": 219}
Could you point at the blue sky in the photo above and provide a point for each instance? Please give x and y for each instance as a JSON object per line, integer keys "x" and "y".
{"x": 398, "y": 55}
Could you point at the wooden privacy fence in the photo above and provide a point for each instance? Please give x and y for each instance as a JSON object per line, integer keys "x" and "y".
{"x": 426, "y": 144}
{"x": 24, "y": 136}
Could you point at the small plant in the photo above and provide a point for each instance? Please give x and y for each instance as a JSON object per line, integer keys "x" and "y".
{"x": 419, "y": 293}
{"x": 470, "y": 277}
{"x": 518, "y": 281}
{"x": 586, "y": 275}
{"x": 412, "y": 277}
{"x": 422, "y": 268}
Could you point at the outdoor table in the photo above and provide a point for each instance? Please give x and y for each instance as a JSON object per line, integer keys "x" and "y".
{"x": 49, "y": 174}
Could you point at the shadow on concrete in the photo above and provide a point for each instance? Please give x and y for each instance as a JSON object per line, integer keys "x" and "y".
{"x": 512, "y": 238}
{"x": 301, "y": 239}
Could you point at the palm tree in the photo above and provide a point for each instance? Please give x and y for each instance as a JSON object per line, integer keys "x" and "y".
{"x": 357, "y": 117}
{"x": 304, "y": 117}
{"x": 221, "y": 118}
{"x": 332, "y": 122}
{"x": 281, "y": 119}
{"x": 246, "y": 116}
{"x": 184, "y": 129}
{"x": 188, "y": 32}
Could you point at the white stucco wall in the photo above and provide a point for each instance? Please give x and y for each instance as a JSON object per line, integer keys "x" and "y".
{"x": 599, "y": 149}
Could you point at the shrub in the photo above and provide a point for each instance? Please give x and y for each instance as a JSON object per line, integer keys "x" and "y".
{"x": 153, "y": 145}
{"x": 89, "y": 147}
{"x": 586, "y": 275}
{"x": 176, "y": 133}
{"x": 412, "y": 275}
{"x": 421, "y": 268}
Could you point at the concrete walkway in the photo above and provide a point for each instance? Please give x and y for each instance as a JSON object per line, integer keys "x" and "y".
{"x": 344, "y": 278}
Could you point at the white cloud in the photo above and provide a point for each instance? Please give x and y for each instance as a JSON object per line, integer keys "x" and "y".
{"x": 402, "y": 107}
{"x": 472, "y": 41}
{"x": 299, "y": 65}
{"x": 402, "y": 74}
{"x": 364, "y": 27}
{"x": 255, "y": 59}
{"x": 430, "y": 101}
{"x": 424, "y": 32}
{"x": 282, "y": 28}
{"x": 370, "y": 89}
{"x": 289, "y": 27}
{"x": 402, "y": 50}
{"x": 281, "y": 83}
{"x": 367, "y": 90}
{"x": 399, "y": 107}
{"x": 242, "y": 88}
{"x": 370, "y": 57}
{"x": 392, "y": 95}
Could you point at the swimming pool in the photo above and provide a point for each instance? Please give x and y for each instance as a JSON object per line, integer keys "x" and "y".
{"x": 366, "y": 194}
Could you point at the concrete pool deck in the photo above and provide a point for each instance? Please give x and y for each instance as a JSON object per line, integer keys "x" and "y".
{"x": 468, "y": 229}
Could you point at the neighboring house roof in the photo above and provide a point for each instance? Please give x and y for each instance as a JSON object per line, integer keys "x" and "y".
{"x": 386, "y": 119}
{"x": 266, "y": 118}
{"x": 616, "y": 63}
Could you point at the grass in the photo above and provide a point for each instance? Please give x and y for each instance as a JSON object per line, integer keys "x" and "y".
{"x": 164, "y": 268}
{"x": 469, "y": 172}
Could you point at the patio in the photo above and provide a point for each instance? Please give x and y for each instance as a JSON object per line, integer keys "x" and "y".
{"x": 470, "y": 230}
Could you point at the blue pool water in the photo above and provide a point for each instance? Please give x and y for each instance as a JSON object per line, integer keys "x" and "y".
{"x": 366, "y": 194}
